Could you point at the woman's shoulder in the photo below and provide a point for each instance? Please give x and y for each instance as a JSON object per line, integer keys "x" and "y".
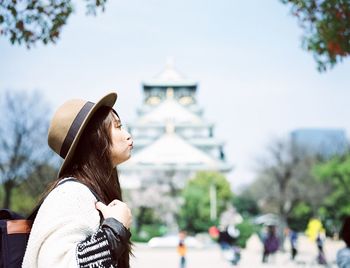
{"x": 70, "y": 203}
{"x": 72, "y": 185}
{"x": 70, "y": 191}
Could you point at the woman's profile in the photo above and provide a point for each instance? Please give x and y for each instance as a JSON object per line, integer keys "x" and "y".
{"x": 73, "y": 229}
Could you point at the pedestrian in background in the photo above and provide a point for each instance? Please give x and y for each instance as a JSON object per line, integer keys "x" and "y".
{"x": 317, "y": 234}
{"x": 321, "y": 257}
{"x": 181, "y": 249}
{"x": 293, "y": 237}
{"x": 271, "y": 243}
{"x": 228, "y": 243}
{"x": 343, "y": 255}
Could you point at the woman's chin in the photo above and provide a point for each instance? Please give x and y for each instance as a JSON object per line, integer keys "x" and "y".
{"x": 120, "y": 161}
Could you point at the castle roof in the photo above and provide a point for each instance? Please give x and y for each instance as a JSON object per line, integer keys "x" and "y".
{"x": 171, "y": 151}
{"x": 169, "y": 77}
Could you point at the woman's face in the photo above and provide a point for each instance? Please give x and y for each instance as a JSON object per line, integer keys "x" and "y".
{"x": 122, "y": 142}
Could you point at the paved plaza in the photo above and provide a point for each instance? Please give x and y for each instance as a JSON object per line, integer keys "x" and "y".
{"x": 211, "y": 257}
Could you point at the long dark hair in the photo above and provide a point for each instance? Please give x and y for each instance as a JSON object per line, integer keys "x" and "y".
{"x": 345, "y": 231}
{"x": 91, "y": 163}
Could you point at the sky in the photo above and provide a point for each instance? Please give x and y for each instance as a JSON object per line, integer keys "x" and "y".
{"x": 255, "y": 81}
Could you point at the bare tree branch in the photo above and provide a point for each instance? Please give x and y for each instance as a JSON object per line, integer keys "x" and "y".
{"x": 23, "y": 131}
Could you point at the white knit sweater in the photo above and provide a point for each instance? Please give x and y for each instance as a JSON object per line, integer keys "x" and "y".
{"x": 66, "y": 217}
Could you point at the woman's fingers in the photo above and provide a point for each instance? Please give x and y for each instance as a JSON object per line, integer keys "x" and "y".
{"x": 100, "y": 206}
{"x": 116, "y": 209}
{"x": 114, "y": 203}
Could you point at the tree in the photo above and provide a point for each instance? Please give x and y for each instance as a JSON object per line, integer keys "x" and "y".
{"x": 32, "y": 21}
{"x": 246, "y": 205}
{"x": 195, "y": 212}
{"x": 279, "y": 166}
{"x": 336, "y": 171}
{"x": 152, "y": 200}
{"x": 157, "y": 201}
{"x": 37, "y": 182}
{"x": 23, "y": 131}
{"x": 326, "y": 25}
{"x": 286, "y": 184}
{"x": 26, "y": 195}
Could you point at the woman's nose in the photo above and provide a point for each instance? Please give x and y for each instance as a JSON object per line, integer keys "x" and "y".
{"x": 128, "y": 135}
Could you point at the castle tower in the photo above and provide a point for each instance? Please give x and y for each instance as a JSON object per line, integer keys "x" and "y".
{"x": 170, "y": 132}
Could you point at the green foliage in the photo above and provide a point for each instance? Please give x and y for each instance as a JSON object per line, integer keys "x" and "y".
{"x": 147, "y": 232}
{"x": 299, "y": 217}
{"x": 26, "y": 195}
{"x": 301, "y": 209}
{"x": 336, "y": 171}
{"x": 145, "y": 216}
{"x": 2, "y": 193}
{"x": 326, "y": 25}
{"x": 315, "y": 187}
{"x": 246, "y": 229}
{"x": 246, "y": 205}
{"x": 22, "y": 202}
{"x": 195, "y": 213}
{"x": 30, "y": 22}
{"x": 149, "y": 217}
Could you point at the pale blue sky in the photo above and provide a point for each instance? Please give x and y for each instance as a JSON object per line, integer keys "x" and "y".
{"x": 255, "y": 81}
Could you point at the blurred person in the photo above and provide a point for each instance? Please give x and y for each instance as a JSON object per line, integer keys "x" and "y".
{"x": 225, "y": 240}
{"x": 321, "y": 257}
{"x": 293, "y": 238}
{"x": 228, "y": 243}
{"x": 182, "y": 249}
{"x": 270, "y": 242}
{"x": 343, "y": 255}
{"x": 71, "y": 228}
{"x": 214, "y": 232}
{"x": 317, "y": 233}
{"x": 314, "y": 227}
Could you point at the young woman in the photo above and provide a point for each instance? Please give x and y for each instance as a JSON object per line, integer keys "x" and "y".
{"x": 71, "y": 228}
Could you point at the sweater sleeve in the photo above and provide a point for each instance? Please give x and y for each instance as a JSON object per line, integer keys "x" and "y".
{"x": 103, "y": 248}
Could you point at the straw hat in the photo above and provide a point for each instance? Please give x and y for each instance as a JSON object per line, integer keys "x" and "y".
{"x": 69, "y": 122}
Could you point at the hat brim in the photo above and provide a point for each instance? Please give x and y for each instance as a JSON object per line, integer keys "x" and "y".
{"x": 109, "y": 101}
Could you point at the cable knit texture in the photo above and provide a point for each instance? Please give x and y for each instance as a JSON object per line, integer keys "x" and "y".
{"x": 94, "y": 251}
{"x": 66, "y": 218}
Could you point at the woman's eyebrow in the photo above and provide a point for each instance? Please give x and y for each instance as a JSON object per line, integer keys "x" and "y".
{"x": 116, "y": 120}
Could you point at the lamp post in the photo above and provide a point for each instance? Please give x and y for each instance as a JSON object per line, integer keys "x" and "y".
{"x": 213, "y": 211}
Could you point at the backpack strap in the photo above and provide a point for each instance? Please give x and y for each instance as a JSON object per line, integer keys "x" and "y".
{"x": 32, "y": 216}
{"x": 73, "y": 179}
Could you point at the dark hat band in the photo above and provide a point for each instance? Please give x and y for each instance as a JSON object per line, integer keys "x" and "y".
{"x": 74, "y": 128}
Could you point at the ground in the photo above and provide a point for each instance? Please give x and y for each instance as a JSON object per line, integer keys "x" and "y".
{"x": 211, "y": 257}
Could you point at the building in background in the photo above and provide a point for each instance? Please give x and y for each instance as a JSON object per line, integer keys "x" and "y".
{"x": 172, "y": 141}
{"x": 324, "y": 142}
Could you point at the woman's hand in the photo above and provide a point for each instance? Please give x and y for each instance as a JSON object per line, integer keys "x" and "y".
{"x": 118, "y": 210}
